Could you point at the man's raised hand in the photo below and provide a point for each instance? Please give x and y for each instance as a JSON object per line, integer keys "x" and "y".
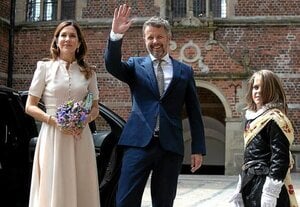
{"x": 121, "y": 21}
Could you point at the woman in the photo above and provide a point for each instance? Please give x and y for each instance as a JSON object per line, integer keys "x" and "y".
{"x": 265, "y": 179}
{"x": 64, "y": 169}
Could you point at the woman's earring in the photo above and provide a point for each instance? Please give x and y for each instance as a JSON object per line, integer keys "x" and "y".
{"x": 77, "y": 50}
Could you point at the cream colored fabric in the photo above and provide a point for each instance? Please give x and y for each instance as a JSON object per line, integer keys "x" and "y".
{"x": 64, "y": 170}
{"x": 259, "y": 123}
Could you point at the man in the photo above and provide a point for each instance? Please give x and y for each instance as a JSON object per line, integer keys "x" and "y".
{"x": 152, "y": 139}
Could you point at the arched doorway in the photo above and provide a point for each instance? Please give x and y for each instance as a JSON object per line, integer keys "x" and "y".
{"x": 213, "y": 162}
{"x": 215, "y": 111}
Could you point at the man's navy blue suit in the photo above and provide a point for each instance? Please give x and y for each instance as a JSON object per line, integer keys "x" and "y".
{"x": 147, "y": 104}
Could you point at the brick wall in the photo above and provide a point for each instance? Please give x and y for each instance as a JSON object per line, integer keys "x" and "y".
{"x": 236, "y": 49}
{"x": 3, "y": 52}
{"x": 276, "y": 50}
{"x": 267, "y": 8}
{"x": 4, "y": 38}
{"x": 105, "y": 9}
{"x": 5, "y": 9}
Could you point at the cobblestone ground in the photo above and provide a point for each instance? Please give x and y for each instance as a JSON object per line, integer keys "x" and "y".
{"x": 207, "y": 190}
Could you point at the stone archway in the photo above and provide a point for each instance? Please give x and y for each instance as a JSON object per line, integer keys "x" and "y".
{"x": 214, "y": 161}
{"x": 214, "y": 115}
{"x": 215, "y": 90}
{"x": 224, "y": 144}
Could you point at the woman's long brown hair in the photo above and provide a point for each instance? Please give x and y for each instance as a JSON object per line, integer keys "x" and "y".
{"x": 79, "y": 54}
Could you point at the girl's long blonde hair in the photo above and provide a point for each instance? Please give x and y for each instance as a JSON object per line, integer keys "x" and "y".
{"x": 272, "y": 92}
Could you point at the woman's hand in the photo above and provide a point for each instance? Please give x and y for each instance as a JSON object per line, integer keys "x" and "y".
{"x": 74, "y": 132}
{"x": 52, "y": 121}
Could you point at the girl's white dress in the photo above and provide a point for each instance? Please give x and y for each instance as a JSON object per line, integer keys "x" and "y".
{"x": 64, "y": 171}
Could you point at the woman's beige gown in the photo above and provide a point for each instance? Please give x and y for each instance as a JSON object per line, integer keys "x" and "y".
{"x": 64, "y": 171}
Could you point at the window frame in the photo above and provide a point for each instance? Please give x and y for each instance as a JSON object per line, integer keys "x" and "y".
{"x": 48, "y": 10}
{"x": 209, "y": 9}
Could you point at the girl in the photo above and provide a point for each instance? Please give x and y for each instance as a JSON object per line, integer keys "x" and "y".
{"x": 265, "y": 178}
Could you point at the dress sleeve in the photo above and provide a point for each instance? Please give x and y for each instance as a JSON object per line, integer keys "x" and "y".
{"x": 38, "y": 81}
{"x": 93, "y": 86}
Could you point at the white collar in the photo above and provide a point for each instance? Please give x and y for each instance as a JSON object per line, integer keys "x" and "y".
{"x": 254, "y": 114}
{"x": 166, "y": 58}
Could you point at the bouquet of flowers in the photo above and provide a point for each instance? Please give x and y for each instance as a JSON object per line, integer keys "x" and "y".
{"x": 72, "y": 115}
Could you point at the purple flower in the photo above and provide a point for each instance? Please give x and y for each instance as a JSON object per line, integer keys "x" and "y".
{"x": 71, "y": 115}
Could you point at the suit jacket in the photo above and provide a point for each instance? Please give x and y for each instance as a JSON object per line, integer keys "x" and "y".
{"x": 147, "y": 104}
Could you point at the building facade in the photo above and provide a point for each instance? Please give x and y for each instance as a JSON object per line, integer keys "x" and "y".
{"x": 224, "y": 41}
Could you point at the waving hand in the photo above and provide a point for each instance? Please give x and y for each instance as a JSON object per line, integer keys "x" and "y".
{"x": 121, "y": 21}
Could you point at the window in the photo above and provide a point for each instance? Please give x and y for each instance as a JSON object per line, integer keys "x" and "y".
{"x": 33, "y": 10}
{"x": 200, "y": 8}
{"x": 68, "y": 9}
{"x": 178, "y": 8}
{"x": 48, "y": 10}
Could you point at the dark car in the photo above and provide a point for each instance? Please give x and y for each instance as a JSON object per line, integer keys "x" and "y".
{"x": 18, "y": 136}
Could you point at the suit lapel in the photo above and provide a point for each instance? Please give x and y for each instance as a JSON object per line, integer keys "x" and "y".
{"x": 176, "y": 75}
{"x": 149, "y": 70}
